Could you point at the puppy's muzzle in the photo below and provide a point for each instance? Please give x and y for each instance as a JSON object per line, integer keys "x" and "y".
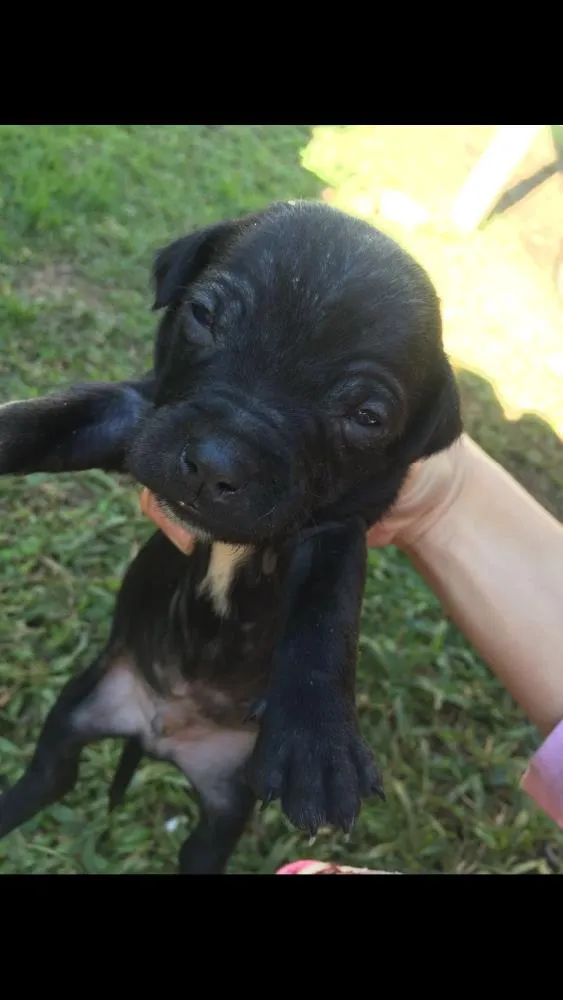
{"x": 228, "y": 466}
{"x": 216, "y": 470}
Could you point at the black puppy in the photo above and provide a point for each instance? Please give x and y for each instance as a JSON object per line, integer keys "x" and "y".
{"x": 298, "y": 372}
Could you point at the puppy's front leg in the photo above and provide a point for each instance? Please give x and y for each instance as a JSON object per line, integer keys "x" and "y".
{"x": 84, "y": 427}
{"x": 309, "y": 751}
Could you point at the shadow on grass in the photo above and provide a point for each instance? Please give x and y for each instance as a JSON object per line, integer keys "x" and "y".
{"x": 528, "y": 448}
{"x": 452, "y": 742}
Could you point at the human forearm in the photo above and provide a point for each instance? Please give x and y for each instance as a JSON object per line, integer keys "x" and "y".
{"x": 495, "y": 560}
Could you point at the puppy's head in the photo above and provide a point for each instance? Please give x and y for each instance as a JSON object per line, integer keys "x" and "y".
{"x": 298, "y": 360}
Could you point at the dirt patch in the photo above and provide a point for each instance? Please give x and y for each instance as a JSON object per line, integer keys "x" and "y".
{"x": 57, "y": 281}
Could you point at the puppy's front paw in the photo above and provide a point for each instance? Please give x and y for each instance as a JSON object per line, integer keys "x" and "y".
{"x": 310, "y": 754}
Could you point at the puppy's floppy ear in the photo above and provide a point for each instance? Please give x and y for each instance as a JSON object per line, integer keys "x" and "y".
{"x": 181, "y": 261}
{"x": 85, "y": 427}
{"x": 437, "y": 423}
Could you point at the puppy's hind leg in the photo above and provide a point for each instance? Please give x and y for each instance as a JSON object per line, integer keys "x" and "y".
{"x": 214, "y": 760}
{"x": 53, "y": 770}
{"x": 221, "y": 824}
{"x": 131, "y": 756}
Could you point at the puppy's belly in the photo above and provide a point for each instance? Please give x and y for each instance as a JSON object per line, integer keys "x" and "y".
{"x": 173, "y": 729}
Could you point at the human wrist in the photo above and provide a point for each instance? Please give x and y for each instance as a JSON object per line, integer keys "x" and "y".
{"x": 493, "y": 559}
{"x": 434, "y": 498}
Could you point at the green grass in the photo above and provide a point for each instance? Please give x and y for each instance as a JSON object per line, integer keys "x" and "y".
{"x": 83, "y": 209}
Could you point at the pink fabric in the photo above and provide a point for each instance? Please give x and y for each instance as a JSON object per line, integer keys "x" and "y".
{"x": 294, "y": 868}
{"x": 308, "y": 867}
{"x": 543, "y": 779}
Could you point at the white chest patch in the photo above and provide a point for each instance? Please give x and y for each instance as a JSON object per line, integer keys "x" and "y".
{"x": 224, "y": 562}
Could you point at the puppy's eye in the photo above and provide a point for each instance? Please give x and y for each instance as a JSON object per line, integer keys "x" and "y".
{"x": 369, "y": 416}
{"x": 202, "y": 314}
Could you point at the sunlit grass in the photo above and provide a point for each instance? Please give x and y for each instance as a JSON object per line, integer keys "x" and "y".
{"x": 501, "y": 318}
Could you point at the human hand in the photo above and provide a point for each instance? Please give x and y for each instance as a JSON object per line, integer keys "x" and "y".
{"x": 430, "y": 488}
{"x": 180, "y": 536}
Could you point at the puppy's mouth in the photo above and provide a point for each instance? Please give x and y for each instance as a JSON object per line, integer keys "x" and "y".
{"x": 186, "y": 513}
{"x": 228, "y": 528}
{"x": 184, "y": 507}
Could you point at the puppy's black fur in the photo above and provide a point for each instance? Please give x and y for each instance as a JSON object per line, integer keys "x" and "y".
{"x": 298, "y": 372}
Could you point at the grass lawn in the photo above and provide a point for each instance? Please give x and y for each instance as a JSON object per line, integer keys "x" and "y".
{"x": 83, "y": 208}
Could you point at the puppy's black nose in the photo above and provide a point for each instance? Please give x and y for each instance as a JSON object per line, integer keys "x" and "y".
{"x": 215, "y": 464}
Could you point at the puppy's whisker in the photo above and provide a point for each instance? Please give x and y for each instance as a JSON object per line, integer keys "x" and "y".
{"x": 266, "y": 514}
